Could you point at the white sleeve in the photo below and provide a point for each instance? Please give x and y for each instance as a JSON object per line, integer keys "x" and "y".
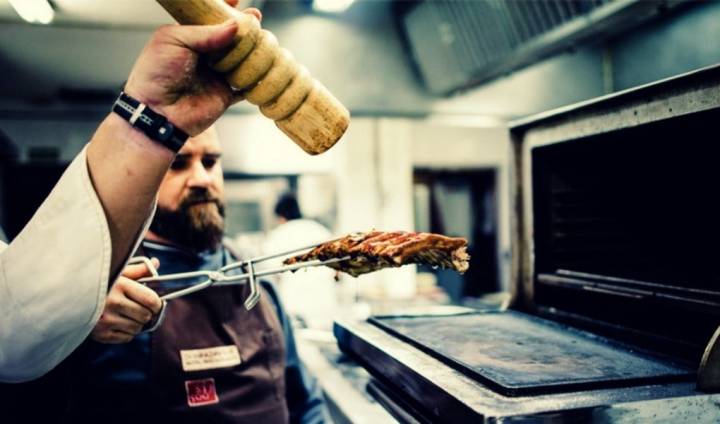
{"x": 54, "y": 278}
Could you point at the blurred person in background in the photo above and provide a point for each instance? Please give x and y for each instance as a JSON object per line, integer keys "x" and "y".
{"x": 211, "y": 360}
{"x": 308, "y": 294}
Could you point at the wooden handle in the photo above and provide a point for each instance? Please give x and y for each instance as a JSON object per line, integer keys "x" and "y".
{"x": 198, "y": 12}
{"x": 269, "y": 76}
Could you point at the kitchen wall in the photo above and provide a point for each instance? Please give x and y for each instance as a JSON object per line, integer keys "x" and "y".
{"x": 253, "y": 144}
{"x": 373, "y": 167}
{"x": 686, "y": 41}
{"x": 65, "y": 134}
{"x": 470, "y": 144}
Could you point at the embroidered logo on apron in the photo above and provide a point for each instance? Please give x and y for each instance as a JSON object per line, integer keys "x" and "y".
{"x": 201, "y": 392}
{"x": 210, "y": 358}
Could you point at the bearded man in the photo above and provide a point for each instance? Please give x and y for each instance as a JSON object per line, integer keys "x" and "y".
{"x": 211, "y": 360}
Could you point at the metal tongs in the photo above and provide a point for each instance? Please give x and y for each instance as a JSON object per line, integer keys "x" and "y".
{"x": 220, "y": 278}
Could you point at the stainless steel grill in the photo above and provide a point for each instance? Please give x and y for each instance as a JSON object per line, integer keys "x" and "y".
{"x": 517, "y": 354}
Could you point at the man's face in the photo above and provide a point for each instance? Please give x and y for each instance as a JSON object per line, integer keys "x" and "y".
{"x": 191, "y": 198}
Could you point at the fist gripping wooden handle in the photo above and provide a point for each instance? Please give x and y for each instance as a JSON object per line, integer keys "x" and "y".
{"x": 269, "y": 76}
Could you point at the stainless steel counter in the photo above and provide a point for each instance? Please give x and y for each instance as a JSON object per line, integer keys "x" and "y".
{"x": 343, "y": 382}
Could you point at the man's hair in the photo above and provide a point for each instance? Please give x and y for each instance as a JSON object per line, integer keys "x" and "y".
{"x": 287, "y": 207}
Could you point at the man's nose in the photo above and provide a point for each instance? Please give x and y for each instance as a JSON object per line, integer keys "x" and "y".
{"x": 199, "y": 176}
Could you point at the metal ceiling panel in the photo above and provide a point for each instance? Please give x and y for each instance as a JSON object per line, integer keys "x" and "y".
{"x": 458, "y": 44}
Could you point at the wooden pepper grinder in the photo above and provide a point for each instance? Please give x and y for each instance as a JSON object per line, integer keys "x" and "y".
{"x": 269, "y": 76}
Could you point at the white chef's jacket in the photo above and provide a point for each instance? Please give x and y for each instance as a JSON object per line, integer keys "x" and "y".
{"x": 54, "y": 278}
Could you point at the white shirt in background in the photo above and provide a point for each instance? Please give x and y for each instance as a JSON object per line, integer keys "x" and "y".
{"x": 307, "y": 293}
{"x": 54, "y": 278}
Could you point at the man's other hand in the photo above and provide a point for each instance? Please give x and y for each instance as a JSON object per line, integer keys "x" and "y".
{"x": 170, "y": 77}
{"x": 128, "y": 307}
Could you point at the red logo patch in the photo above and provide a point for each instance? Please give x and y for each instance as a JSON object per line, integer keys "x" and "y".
{"x": 201, "y": 392}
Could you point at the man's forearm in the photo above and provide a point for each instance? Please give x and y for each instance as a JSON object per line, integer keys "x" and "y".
{"x": 126, "y": 168}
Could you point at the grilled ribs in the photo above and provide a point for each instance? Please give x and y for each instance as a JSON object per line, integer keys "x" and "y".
{"x": 375, "y": 250}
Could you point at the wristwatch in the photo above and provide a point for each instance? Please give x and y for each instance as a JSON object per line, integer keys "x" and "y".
{"x": 151, "y": 123}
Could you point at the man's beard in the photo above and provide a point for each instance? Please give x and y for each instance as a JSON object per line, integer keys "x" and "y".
{"x": 198, "y": 223}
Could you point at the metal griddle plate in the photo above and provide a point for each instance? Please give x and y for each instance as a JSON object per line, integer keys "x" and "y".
{"x": 517, "y": 354}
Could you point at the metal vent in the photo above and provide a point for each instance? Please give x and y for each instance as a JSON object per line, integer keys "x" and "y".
{"x": 457, "y": 44}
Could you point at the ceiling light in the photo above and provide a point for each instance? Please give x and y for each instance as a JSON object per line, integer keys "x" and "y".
{"x": 332, "y": 6}
{"x": 34, "y": 11}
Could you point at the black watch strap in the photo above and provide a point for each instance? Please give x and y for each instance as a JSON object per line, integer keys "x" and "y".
{"x": 154, "y": 125}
